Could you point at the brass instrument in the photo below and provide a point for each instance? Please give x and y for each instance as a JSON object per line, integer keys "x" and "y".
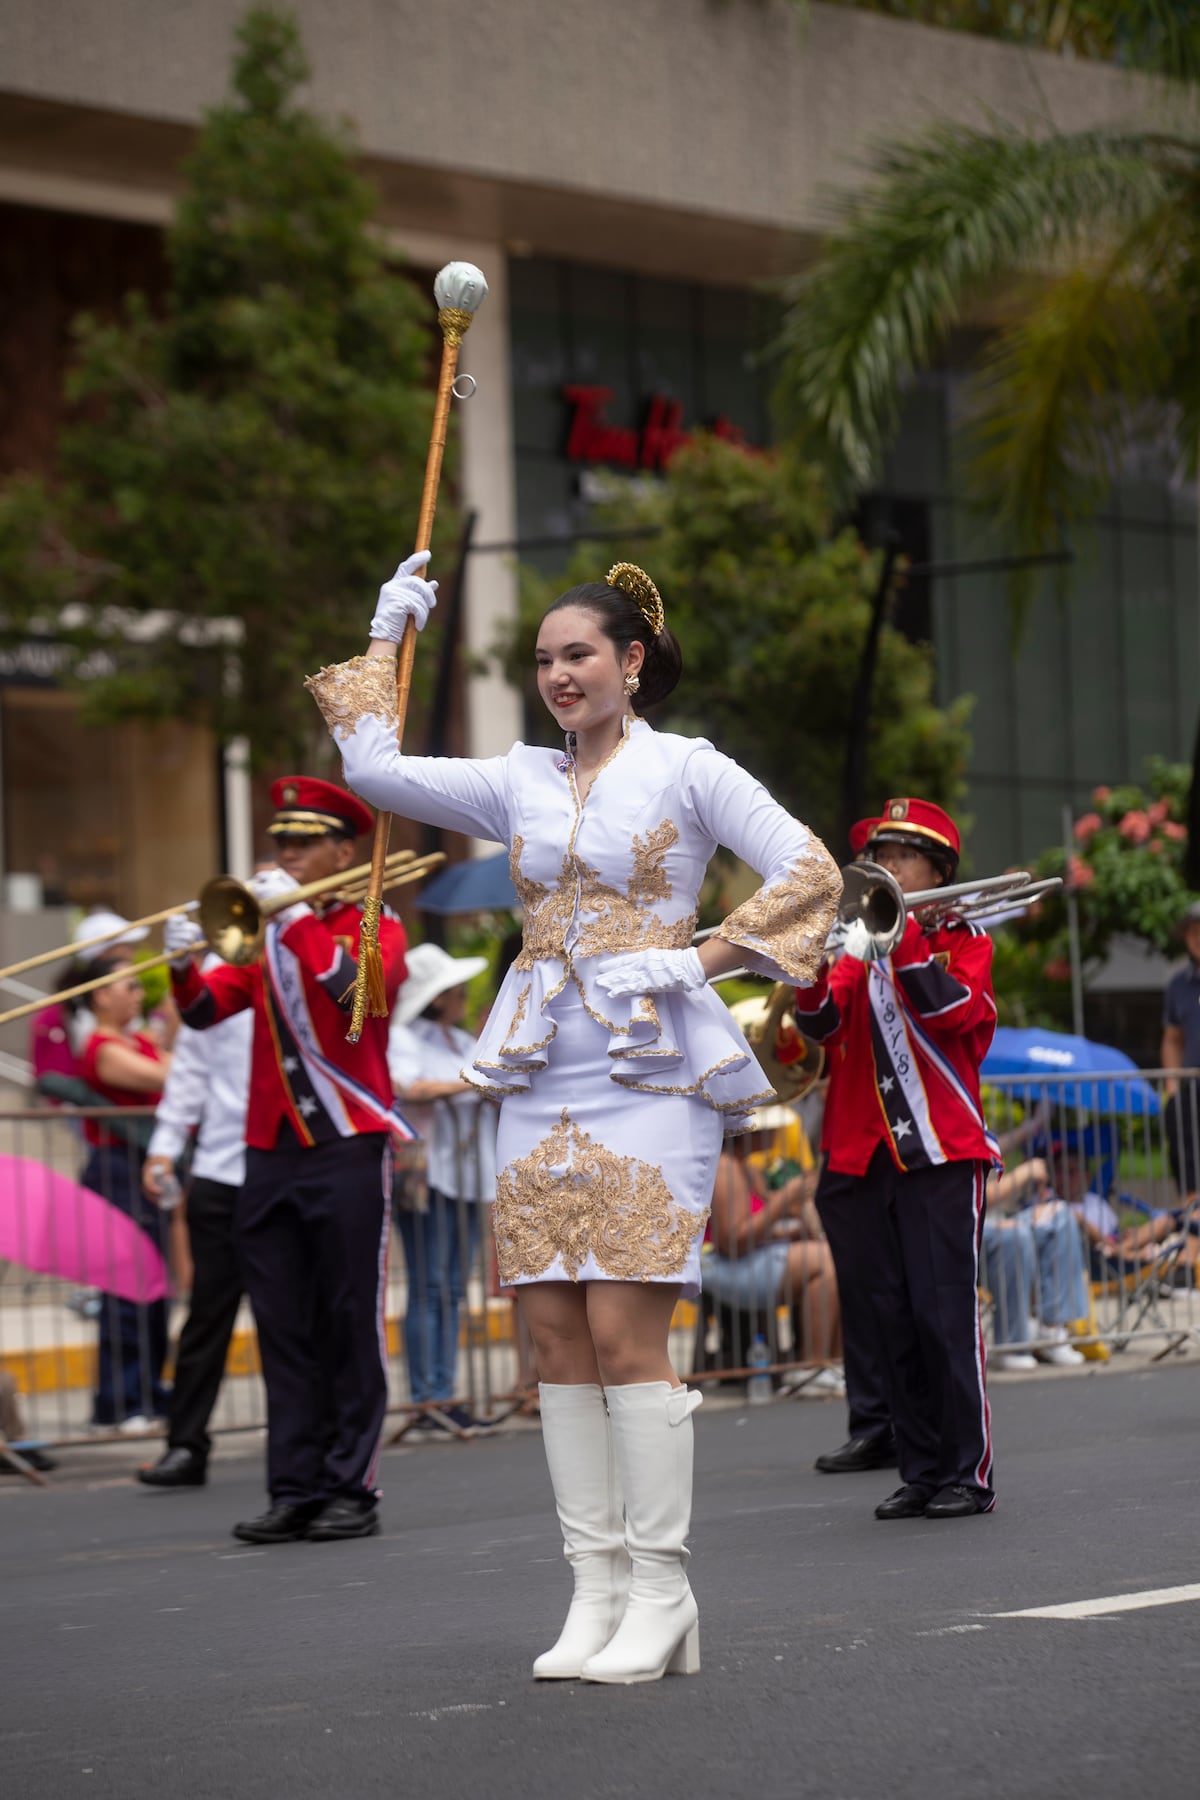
{"x": 791, "y": 1062}
{"x": 233, "y": 921}
{"x": 872, "y": 895}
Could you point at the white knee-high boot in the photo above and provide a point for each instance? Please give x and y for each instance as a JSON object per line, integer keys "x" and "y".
{"x": 587, "y": 1493}
{"x": 653, "y": 1441}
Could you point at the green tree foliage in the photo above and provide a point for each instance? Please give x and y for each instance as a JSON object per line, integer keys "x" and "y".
{"x": 1084, "y": 246}
{"x": 254, "y": 454}
{"x": 771, "y": 607}
{"x": 1148, "y": 34}
{"x": 1126, "y": 871}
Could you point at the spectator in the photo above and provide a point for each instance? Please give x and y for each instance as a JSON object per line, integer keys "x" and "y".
{"x": 1032, "y": 1258}
{"x": 1180, "y": 1050}
{"x": 427, "y": 1048}
{"x": 767, "y": 1249}
{"x": 124, "y": 1067}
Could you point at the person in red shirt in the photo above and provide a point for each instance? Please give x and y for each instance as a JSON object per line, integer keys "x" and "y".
{"x": 313, "y": 1219}
{"x": 123, "y": 1067}
{"x": 901, "y": 1195}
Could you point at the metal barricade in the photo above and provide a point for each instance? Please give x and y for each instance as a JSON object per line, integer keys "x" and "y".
{"x": 1091, "y": 1243}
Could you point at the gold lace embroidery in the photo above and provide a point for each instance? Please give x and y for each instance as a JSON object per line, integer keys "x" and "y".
{"x": 610, "y": 921}
{"x": 572, "y": 1198}
{"x": 548, "y": 911}
{"x": 347, "y": 692}
{"x": 788, "y": 921}
{"x": 519, "y": 1011}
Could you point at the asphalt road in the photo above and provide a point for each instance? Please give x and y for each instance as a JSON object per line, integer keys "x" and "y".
{"x": 146, "y": 1653}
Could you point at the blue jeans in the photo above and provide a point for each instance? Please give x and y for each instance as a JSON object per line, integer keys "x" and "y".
{"x": 133, "y": 1339}
{"x": 439, "y": 1248}
{"x": 1035, "y": 1266}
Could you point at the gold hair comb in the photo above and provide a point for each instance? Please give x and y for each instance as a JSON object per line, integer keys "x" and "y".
{"x": 637, "y": 584}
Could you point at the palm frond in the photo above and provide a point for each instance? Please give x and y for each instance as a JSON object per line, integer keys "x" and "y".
{"x": 1089, "y": 358}
{"x": 945, "y": 216}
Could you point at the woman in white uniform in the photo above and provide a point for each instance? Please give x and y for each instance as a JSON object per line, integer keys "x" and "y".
{"x": 618, "y": 1068}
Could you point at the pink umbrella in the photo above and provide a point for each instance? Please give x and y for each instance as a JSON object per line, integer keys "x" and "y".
{"x": 49, "y": 1223}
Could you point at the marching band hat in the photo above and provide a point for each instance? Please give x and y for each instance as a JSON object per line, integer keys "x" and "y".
{"x": 305, "y": 807}
{"x": 432, "y": 971}
{"x": 918, "y": 823}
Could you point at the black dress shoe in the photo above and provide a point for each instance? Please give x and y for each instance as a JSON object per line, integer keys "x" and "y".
{"x": 957, "y": 1503}
{"x": 178, "y": 1468}
{"x": 908, "y": 1502}
{"x": 280, "y": 1524}
{"x": 345, "y": 1518}
{"x": 860, "y": 1453}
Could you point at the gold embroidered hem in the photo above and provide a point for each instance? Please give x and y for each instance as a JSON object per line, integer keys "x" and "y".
{"x": 786, "y": 923}
{"x": 572, "y": 1199}
{"x": 347, "y": 692}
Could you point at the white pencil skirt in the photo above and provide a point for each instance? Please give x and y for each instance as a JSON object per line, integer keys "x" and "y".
{"x": 596, "y": 1182}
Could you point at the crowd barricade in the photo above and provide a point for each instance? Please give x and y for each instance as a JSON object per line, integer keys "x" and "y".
{"x": 1091, "y": 1241}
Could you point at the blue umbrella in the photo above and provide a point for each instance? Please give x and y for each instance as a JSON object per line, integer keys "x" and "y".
{"x": 481, "y": 884}
{"x": 1055, "y": 1054}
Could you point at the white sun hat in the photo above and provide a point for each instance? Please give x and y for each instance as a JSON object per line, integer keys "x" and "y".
{"x": 105, "y": 924}
{"x": 432, "y": 971}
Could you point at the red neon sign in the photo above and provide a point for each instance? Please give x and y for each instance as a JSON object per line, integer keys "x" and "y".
{"x": 591, "y": 439}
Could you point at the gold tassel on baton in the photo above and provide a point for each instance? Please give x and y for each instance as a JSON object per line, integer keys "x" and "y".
{"x": 459, "y": 290}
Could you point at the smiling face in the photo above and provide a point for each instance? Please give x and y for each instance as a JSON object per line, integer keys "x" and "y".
{"x": 580, "y": 676}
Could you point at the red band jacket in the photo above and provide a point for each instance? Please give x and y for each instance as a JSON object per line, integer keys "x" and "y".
{"x": 302, "y": 1067}
{"x": 905, "y": 1037}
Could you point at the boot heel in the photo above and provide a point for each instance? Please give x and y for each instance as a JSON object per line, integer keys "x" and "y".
{"x": 685, "y": 1658}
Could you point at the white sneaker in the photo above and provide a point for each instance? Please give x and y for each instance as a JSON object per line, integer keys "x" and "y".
{"x": 1061, "y": 1356}
{"x": 1012, "y": 1362}
{"x": 826, "y": 1384}
{"x": 137, "y": 1425}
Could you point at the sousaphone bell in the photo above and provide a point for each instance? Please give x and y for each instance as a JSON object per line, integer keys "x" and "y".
{"x": 791, "y": 1062}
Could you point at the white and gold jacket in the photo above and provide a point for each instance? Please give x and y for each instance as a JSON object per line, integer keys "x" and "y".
{"x": 618, "y": 871}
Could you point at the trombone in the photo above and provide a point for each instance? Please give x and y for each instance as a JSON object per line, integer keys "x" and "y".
{"x": 872, "y": 895}
{"x": 233, "y": 921}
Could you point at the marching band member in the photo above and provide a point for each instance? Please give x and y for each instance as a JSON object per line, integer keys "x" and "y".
{"x": 313, "y": 1221}
{"x": 616, "y": 1066}
{"x": 907, "y": 1154}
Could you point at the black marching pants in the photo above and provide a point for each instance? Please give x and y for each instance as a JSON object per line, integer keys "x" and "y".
{"x": 916, "y": 1256}
{"x": 312, "y": 1237}
{"x": 864, "y": 1354}
{"x": 216, "y": 1296}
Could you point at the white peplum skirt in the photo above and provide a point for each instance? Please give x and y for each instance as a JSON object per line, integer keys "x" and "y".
{"x": 596, "y": 1181}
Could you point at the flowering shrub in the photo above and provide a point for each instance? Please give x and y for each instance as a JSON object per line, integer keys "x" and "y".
{"x": 1126, "y": 872}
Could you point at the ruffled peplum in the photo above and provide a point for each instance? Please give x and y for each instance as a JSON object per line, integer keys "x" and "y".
{"x": 657, "y": 1044}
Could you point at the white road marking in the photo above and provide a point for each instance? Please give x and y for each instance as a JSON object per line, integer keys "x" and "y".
{"x": 950, "y": 1630}
{"x": 1113, "y": 1603}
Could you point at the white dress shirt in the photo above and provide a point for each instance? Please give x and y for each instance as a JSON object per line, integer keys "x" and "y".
{"x": 208, "y": 1087}
{"x": 459, "y": 1133}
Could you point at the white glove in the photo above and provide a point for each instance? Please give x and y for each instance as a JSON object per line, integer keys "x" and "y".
{"x": 652, "y": 972}
{"x": 402, "y": 598}
{"x": 271, "y": 884}
{"x": 851, "y": 937}
{"x": 181, "y": 937}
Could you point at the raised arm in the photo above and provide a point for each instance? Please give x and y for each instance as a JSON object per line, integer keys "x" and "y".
{"x": 358, "y": 703}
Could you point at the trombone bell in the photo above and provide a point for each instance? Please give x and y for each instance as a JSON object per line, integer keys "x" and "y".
{"x": 231, "y": 920}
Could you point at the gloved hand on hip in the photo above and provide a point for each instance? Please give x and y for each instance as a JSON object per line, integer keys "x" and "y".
{"x": 182, "y": 937}
{"x": 652, "y": 972}
{"x": 406, "y": 596}
{"x": 273, "y": 884}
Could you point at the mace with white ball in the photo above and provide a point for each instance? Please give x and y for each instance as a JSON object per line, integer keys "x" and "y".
{"x": 459, "y": 289}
